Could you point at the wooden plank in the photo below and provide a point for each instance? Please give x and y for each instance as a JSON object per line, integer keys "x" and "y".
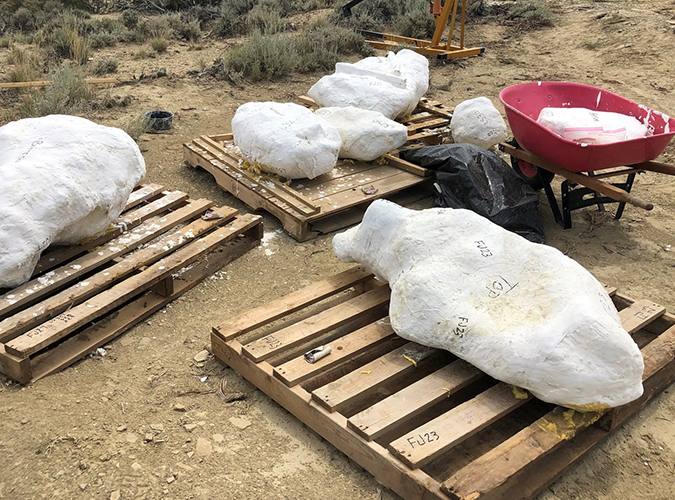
{"x": 60, "y": 326}
{"x": 332, "y": 427}
{"x": 407, "y": 166}
{"x": 350, "y": 182}
{"x": 123, "y": 244}
{"x": 414, "y": 127}
{"x": 369, "y": 378}
{"x": 136, "y": 311}
{"x": 410, "y": 402}
{"x": 289, "y": 196}
{"x": 347, "y": 199}
{"x": 142, "y": 194}
{"x": 501, "y": 468}
{"x": 610, "y": 190}
{"x": 435, "y": 108}
{"x": 15, "y": 368}
{"x": 362, "y": 306}
{"x": 422, "y": 445}
{"x": 291, "y": 303}
{"x": 659, "y": 358}
{"x": 298, "y": 369}
{"x": 44, "y": 83}
{"x": 53, "y": 258}
{"x": 342, "y": 170}
{"x": 639, "y": 314}
{"x": 55, "y": 304}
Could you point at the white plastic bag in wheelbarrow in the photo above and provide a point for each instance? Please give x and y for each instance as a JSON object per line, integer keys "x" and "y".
{"x": 478, "y": 122}
{"x": 391, "y": 85}
{"x": 286, "y": 138}
{"x": 523, "y": 313}
{"x": 591, "y": 127}
{"x": 64, "y": 179}
{"x": 366, "y": 135}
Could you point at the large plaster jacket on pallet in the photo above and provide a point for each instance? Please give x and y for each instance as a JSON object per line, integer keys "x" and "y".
{"x": 63, "y": 179}
{"x": 523, "y": 313}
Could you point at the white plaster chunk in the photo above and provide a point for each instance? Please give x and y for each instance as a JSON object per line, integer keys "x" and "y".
{"x": 64, "y": 179}
{"x": 391, "y": 85}
{"x": 478, "y": 122}
{"x": 366, "y": 135}
{"x": 523, "y": 313}
{"x": 286, "y": 138}
{"x": 592, "y": 127}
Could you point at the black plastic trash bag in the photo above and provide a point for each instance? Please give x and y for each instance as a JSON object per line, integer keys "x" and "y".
{"x": 477, "y": 179}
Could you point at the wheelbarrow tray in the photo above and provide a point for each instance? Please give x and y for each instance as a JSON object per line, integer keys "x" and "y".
{"x": 524, "y": 102}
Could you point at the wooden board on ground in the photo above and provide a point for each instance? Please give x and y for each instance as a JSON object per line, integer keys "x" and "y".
{"x": 425, "y": 424}
{"x": 307, "y": 208}
{"x": 82, "y": 296}
{"x": 429, "y": 122}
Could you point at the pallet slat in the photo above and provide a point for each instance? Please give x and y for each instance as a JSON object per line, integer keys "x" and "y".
{"x": 408, "y": 403}
{"x": 419, "y": 447}
{"x": 366, "y": 381}
{"x": 298, "y": 369}
{"x": 365, "y": 305}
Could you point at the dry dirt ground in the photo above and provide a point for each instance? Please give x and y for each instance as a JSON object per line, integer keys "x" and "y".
{"x": 82, "y": 433}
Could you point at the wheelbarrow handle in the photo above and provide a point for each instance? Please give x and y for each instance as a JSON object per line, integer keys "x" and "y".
{"x": 597, "y": 185}
{"x": 658, "y": 167}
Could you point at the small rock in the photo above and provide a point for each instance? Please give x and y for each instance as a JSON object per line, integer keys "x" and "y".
{"x": 144, "y": 342}
{"x": 131, "y": 437}
{"x": 24, "y": 422}
{"x": 82, "y": 486}
{"x": 190, "y": 427}
{"x": 190, "y": 454}
{"x": 218, "y": 438}
{"x": 202, "y": 356}
{"x": 179, "y": 407}
{"x": 101, "y": 352}
{"x": 203, "y": 447}
{"x": 136, "y": 466}
{"x": 157, "y": 427}
{"x": 122, "y": 428}
{"x": 115, "y": 495}
{"x": 170, "y": 479}
{"x": 184, "y": 467}
{"x": 149, "y": 437}
{"x": 241, "y": 423}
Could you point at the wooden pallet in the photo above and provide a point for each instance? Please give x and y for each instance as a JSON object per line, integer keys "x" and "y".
{"x": 80, "y": 297}
{"x": 308, "y": 208}
{"x": 429, "y": 122}
{"x": 424, "y": 423}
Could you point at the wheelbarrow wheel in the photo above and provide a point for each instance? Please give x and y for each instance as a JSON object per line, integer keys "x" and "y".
{"x": 531, "y": 174}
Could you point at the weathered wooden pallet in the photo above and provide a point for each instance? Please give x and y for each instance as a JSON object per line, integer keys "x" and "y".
{"x": 424, "y": 423}
{"x": 308, "y": 208}
{"x": 429, "y": 122}
{"x": 80, "y": 297}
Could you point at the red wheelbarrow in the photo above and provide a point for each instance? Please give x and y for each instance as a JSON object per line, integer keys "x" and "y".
{"x": 538, "y": 154}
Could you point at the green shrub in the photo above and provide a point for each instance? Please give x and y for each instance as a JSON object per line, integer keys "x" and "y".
{"x": 130, "y": 19}
{"x": 67, "y": 43}
{"x": 264, "y": 58}
{"x": 232, "y": 20}
{"x": 159, "y": 44}
{"x": 67, "y": 94}
{"x": 100, "y": 40}
{"x": 106, "y": 66}
{"x": 189, "y": 31}
{"x": 416, "y": 23}
{"x": 531, "y": 14}
{"x": 137, "y": 126}
{"x": 275, "y": 56}
{"x": 23, "y": 19}
{"x": 267, "y": 20}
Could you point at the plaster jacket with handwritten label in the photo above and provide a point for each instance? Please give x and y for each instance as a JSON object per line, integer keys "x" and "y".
{"x": 523, "y": 313}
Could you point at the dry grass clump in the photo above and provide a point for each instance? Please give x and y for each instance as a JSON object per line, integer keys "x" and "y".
{"x": 106, "y": 66}
{"x": 28, "y": 65}
{"x": 68, "y": 94}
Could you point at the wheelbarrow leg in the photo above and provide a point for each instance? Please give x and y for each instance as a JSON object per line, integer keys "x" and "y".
{"x": 551, "y": 198}
{"x": 567, "y": 210}
{"x": 627, "y": 186}
{"x": 601, "y": 206}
